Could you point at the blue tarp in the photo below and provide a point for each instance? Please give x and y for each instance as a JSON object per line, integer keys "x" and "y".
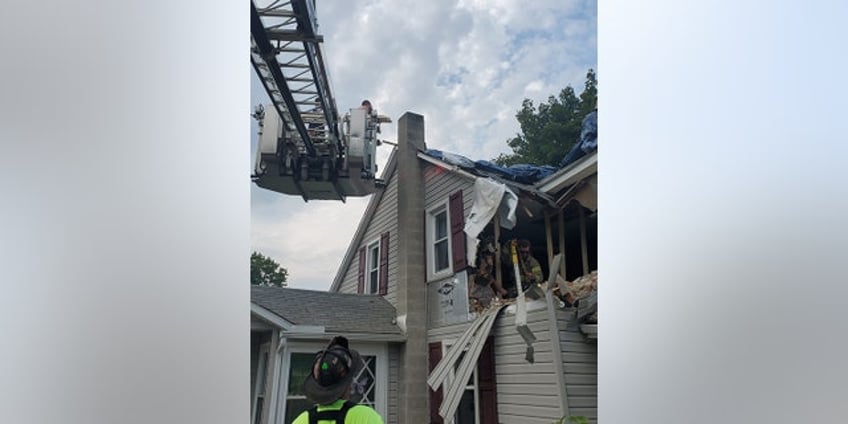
{"x": 520, "y": 173}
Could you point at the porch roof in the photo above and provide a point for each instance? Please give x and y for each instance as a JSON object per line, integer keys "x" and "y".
{"x": 337, "y": 312}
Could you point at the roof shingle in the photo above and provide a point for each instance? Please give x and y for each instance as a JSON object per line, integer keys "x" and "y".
{"x": 337, "y": 312}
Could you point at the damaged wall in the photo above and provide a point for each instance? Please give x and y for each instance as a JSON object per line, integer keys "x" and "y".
{"x": 580, "y": 366}
{"x": 527, "y": 393}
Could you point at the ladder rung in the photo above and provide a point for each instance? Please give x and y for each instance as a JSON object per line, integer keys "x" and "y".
{"x": 278, "y": 13}
{"x": 289, "y": 50}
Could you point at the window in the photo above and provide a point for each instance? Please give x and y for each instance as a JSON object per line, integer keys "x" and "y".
{"x": 478, "y": 400}
{"x": 438, "y": 236}
{"x": 368, "y": 387}
{"x": 300, "y": 365}
{"x": 364, "y": 387}
{"x": 445, "y": 234}
{"x": 466, "y": 412}
{"x": 373, "y": 274}
{"x": 372, "y": 271}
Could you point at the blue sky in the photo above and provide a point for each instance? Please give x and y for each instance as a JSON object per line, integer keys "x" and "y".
{"x": 465, "y": 66}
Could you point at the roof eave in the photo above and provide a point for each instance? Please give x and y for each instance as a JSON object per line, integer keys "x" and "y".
{"x": 270, "y": 317}
{"x": 584, "y": 167}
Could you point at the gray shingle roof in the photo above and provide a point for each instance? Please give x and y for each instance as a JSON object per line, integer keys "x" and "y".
{"x": 337, "y": 312}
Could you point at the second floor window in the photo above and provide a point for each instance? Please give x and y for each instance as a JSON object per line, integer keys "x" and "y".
{"x": 373, "y": 271}
{"x": 441, "y": 252}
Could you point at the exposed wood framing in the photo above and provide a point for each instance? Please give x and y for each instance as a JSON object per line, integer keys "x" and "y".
{"x": 498, "y": 273}
{"x": 561, "y": 225}
{"x": 584, "y": 250}
{"x": 549, "y": 240}
{"x": 561, "y": 200}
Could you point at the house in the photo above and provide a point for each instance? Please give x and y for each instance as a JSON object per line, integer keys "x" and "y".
{"x": 531, "y": 358}
{"x": 288, "y": 326}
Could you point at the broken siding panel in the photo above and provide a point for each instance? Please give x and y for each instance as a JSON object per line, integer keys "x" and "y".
{"x": 527, "y": 393}
{"x": 580, "y": 366}
{"x": 447, "y": 332}
{"x": 384, "y": 219}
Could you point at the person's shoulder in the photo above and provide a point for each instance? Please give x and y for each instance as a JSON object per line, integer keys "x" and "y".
{"x": 303, "y": 418}
{"x": 363, "y": 414}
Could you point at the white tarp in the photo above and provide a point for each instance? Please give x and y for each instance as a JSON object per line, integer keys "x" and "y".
{"x": 490, "y": 197}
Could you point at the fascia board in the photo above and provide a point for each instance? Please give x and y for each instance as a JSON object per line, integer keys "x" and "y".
{"x": 270, "y": 317}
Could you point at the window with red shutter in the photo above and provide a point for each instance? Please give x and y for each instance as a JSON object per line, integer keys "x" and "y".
{"x": 435, "y": 396}
{"x": 384, "y": 263}
{"x": 486, "y": 385}
{"x": 457, "y": 224}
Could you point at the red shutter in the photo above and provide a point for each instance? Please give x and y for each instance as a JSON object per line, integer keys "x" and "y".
{"x": 436, "y": 397}
{"x": 384, "y": 263}
{"x": 360, "y": 286}
{"x": 457, "y": 223}
{"x": 486, "y": 385}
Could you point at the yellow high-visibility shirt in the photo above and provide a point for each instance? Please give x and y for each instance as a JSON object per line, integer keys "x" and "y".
{"x": 359, "y": 414}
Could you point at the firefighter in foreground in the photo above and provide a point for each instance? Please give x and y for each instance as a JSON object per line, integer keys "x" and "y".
{"x": 329, "y": 387}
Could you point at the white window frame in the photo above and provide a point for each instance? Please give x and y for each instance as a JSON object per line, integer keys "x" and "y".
{"x": 262, "y": 376}
{"x": 475, "y": 385}
{"x": 375, "y": 247}
{"x": 378, "y": 350}
{"x": 430, "y": 228}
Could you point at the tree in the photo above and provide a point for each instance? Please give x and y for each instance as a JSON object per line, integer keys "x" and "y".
{"x": 264, "y": 271}
{"x": 549, "y": 131}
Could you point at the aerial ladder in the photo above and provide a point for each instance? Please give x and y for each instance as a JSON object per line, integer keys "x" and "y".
{"x": 304, "y": 147}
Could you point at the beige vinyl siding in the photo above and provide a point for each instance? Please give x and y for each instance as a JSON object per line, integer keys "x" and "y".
{"x": 384, "y": 219}
{"x": 392, "y": 398}
{"x": 439, "y": 184}
{"x": 580, "y": 365}
{"x": 447, "y": 332}
{"x": 527, "y": 393}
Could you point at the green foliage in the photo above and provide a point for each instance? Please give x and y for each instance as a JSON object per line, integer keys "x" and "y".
{"x": 550, "y": 130}
{"x": 264, "y": 271}
{"x": 573, "y": 419}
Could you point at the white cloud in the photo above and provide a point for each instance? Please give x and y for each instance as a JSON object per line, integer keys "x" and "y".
{"x": 464, "y": 65}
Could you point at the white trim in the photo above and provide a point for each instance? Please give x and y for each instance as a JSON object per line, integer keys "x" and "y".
{"x": 430, "y": 229}
{"x": 276, "y": 360}
{"x": 378, "y": 350}
{"x": 269, "y": 316}
{"x": 590, "y": 330}
{"x": 584, "y": 167}
{"x": 283, "y": 377}
{"x": 445, "y": 165}
{"x": 367, "y": 286}
{"x": 261, "y": 368}
{"x": 358, "y": 337}
{"x": 306, "y": 329}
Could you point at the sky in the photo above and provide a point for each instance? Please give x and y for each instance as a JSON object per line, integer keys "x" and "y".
{"x": 465, "y": 65}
